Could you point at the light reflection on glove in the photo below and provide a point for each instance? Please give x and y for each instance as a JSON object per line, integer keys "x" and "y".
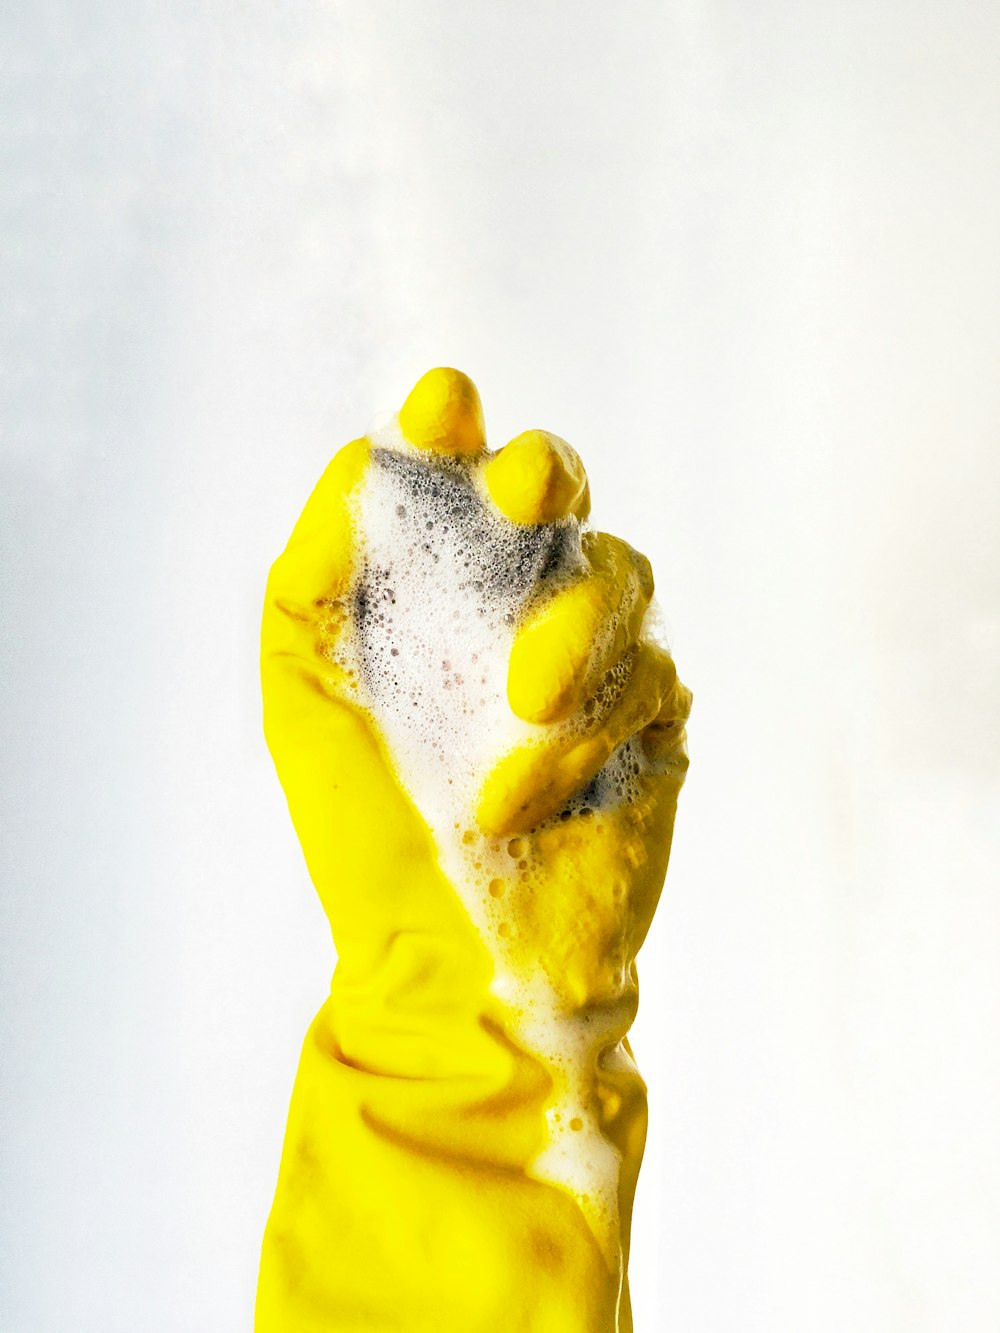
{"x": 467, "y": 1122}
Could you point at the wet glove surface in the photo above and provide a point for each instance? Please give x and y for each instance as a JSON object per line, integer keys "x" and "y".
{"x": 481, "y": 751}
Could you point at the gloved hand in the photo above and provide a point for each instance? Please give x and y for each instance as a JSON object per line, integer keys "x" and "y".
{"x": 481, "y": 753}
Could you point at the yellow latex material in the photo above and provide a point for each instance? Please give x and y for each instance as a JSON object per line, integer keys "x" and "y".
{"x": 592, "y": 622}
{"x": 443, "y": 414}
{"x": 538, "y": 478}
{"x": 536, "y": 780}
{"x": 409, "y": 1195}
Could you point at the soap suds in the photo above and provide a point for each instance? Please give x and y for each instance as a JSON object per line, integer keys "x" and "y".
{"x": 443, "y": 582}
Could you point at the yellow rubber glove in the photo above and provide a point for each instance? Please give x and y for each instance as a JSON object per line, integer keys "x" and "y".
{"x": 481, "y": 753}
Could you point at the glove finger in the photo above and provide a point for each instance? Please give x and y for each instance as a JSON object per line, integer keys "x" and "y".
{"x": 568, "y": 645}
{"x": 536, "y": 779}
{"x": 318, "y": 559}
{"x": 538, "y": 478}
{"x": 665, "y": 735}
{"x": 303, "y": 618}
{"x": 443, "y": 414}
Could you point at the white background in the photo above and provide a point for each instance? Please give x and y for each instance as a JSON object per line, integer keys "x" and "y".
{"x": 743, "y": 256}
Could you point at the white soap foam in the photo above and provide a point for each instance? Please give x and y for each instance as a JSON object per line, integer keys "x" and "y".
{"x": 442, "y": 584}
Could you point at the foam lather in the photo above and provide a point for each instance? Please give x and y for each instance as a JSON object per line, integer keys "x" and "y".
{"x": 481, "y": 738}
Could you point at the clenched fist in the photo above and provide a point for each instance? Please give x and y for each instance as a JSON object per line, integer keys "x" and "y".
{"x": 481, "y": 745}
